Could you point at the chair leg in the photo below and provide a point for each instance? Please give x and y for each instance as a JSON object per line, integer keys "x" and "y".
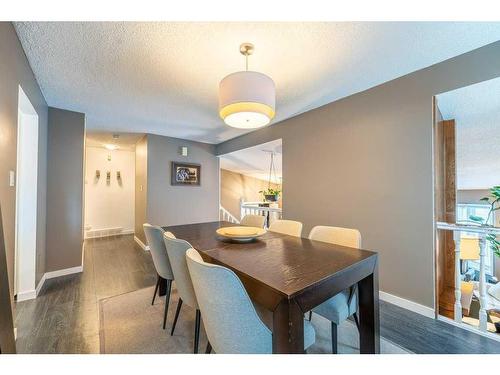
{"x": 197, "y": 331}
{"x": 334, "y": 338}
{"x": 356, "y": 320}
{"x": 209, "y": 348}
{"x": 167, "y": 302}
{"x": 310, "y": 315}
{"x": 156, "y": 290}
{"x": 177, "y": 311}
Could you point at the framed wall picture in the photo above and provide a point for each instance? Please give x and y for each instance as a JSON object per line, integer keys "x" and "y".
{"x": 185, "y": 174}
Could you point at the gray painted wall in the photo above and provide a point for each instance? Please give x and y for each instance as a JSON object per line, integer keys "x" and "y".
{"x": 14, "y": 71}
{"x": 141, "y": 186}
{"x": 170, "y": 205}
{"x": 66, "y": 136}
{"x": 365, "y": 161}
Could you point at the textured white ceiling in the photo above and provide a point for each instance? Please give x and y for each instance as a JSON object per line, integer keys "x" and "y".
{"x": 476, "y": 110}
{"x": 163, "y": 78}
{"x": 255, "y": 161}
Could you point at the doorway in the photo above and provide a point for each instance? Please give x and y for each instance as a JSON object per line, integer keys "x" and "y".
{"x": 26, "y": 199}
{"x": 467, "y": 180}
{"x": 251, "y": 183}
{"x": 109, "y": 184}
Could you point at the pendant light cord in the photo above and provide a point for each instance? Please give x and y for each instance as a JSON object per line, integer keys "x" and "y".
{"x": 271, "y": 169}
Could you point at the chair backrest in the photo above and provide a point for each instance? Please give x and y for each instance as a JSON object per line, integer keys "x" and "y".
{"x": 336, "y": 235}
{"x": 290, "y": 227}
{"x": 253, "y": 221}
{"x": 176, "y": 250}
{"x": 154, "y": 237}
{"x": 231, "y": 322}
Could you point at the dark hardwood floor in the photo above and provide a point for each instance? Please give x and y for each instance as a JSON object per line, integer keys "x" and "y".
{"x": 423, "y": 335}
{"x": 64, "y": 318}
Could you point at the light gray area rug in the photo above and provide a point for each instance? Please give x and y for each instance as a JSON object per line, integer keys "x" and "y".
{"x": 130, "y": 324}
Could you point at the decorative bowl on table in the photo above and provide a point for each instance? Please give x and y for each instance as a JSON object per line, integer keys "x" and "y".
{"x": 240, "y": 233}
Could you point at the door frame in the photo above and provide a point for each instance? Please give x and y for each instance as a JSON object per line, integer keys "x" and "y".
{"x": 26, "y": 199}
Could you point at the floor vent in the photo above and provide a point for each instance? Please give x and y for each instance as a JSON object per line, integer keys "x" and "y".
{"x": 106, "y": 232}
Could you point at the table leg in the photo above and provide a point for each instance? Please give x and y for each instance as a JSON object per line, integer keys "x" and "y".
{"x": 369, "y": 323}
{"x": 163, "y": 287}
{"x": 288, "y": 328}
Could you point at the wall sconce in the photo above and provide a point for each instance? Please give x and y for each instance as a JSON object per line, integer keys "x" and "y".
{"x": 108, "y": 177}
{"x": 184, "y": 151}
{"x": 97, "y": 174}
{"x": 118, "y": 175}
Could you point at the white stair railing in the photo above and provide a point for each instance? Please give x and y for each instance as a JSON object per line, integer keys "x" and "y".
{"x": 225, "y": 215}
{"x": 482, "y": 232}
{"x": 255, "y": 208}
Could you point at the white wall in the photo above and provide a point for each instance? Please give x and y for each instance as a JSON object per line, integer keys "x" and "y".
{"x": 109, "y": 206}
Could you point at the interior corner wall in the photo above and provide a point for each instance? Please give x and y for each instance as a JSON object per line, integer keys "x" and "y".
{"x": 141, "y": 187}
{"x": 371, "y": 154}
{"x": 66, "y": 139}
{"x": 15, "y": 71}
{"x": 172, "y": 205}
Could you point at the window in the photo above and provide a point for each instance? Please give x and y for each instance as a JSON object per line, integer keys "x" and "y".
{"x": 481, "y": 210}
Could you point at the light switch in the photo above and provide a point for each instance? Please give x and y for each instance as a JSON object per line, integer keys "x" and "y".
{"x": 12, "y": 178}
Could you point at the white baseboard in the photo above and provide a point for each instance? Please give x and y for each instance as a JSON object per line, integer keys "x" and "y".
{"x": 139, "y": 242}
{"x": 40, "y": 283}
{"x": 63, "y": 272}
{"x": 407, "y": 304}
{"x": 53, "y": 274}
{"x": 24, "y": 296}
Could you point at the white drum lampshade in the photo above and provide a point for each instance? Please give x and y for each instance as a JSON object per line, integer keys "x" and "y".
{"x": 469, "y": 248}
{"x": 247, "y": 99}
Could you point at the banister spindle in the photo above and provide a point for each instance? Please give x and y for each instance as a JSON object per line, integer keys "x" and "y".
{"x": 458, "y": 279}
{"x": 483, "y": 318}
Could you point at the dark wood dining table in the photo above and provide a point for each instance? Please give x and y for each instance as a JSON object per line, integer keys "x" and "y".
{"x": 290, "y": 276}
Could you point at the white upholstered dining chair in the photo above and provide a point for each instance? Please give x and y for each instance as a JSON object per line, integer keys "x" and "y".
{"x": 176, "y": 250}
{"x": 344, "y": 304}
{"x": 154, "y": 237}
{"x": 231, "y": 321}
{"x": 253, "y": 221}
{"x": 289, "y": 227}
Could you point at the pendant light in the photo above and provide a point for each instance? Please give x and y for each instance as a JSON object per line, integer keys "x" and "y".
{"x": 247, "y": 99}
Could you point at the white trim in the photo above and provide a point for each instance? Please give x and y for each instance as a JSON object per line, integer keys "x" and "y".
{"x": 24, "y": 296}
{"x": 40, "y": 284}
{"x": 139, "y": 242}
{"x": 53, "y": 274}
{"x": 488, "y": 334}
{"x": 63, "y": 272}
{"x": 26, "y": 186}
{"x": 407, "y": 304}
